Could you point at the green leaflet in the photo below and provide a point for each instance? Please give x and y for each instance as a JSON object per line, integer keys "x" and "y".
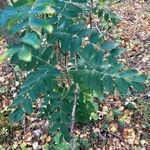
{"x": 86, "y": 76}
{"x": 117, "y": 113}
{"x": 25, "y": 54}
{"x": 108, "y": 14}
{"x": 47, "y": 54}
{"x": 76, "y": 43}
{"x": 108, "y": 84}
{"x": 115, "y": 20}
{"x": 83, "y": 32}
{"x": 32, "y": 39}
{"x": 109, "y": 45}
{"x": 80, "y": 1}
{"x": 102, "y": 3}
{"x": 97, "y": 80}
{"x": 74, "y": 8}
{"x": 100, "y": 13}
{"x": 17, "y": 27}
{"x": 4, "y": 56}
{"x": 138, "y": 86}
{"x": 45, "y": 3}
{"x": 55, "y": 116}
{"x": 64, "y": 42}
{"x": 117, "y": 51}
{"x": 54, "y": 127}
{"x": 88, "y": 52}
{"x": 112, "y": 60}
{"x": 27, "y": 105}
{"x": 42, "y": 9}
{"x": 64, "y": 24}
{"x": 81, "y": 62}
{"x": 121, "y": 85}
{"x": 70, "y": 10}
{"x": 83, "y": 113}
{"x": 96, "y": 61}
{"x": 17, "y": 101}
{"x": 113, "y": 69}
{"x": 16, "y": 115}
{"x": 65, "y": 131}
{"x": 34, "y": 93}
{"x": 41, "y": 23}
{"x": 128, "y": 73}
{"x": 4, "y": 17}
{"x": 23, "y": 2}
{"x": 106, "y": 17}
{"x": 76, "y": 28}
{"x": 64, "y": 117}
{"x": 62, "y": 146}
{"x": 139, "y": 78}
{"x": 95, "y": 37}
{"x": 38, "y": 81}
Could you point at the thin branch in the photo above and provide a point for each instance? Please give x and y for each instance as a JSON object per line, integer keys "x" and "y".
{"x": 24, "y": 123}
{"x": 76, "y": 92}
{"x": 90, "y": 15}
{"x": 97, "y": 28}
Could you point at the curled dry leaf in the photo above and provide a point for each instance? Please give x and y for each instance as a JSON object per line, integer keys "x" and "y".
{"x": 129, "y": 135}
{"x": 48, "y": 139}
{"x": 105, "y": 109}
{"x": 28, "y": 137}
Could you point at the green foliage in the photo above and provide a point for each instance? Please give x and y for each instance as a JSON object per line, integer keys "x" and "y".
{"x": 49, "y": 34}
{"x": 84, "y": 144}
{"x": 144, "y": 111}
{"x": 108, "y": 16}
{"x": 117, "y": 113}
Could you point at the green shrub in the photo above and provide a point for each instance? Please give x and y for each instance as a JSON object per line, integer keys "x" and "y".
{"x": 68, "y": 63}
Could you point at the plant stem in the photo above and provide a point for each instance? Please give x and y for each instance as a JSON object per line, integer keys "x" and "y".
{"x": 76, "y": 92}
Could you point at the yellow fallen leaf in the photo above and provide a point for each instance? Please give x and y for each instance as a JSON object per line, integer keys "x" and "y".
{"x": 124, "y": 117}
{"x": 15, "y": 145}
{"x": 113, "y": 127}
{"x": 4, "y": 56}
{"x": 1, "y": 148}
{"x": 23, "y": 145}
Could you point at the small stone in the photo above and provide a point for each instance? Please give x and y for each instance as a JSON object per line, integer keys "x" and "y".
{"x": 2, "y": 79}
{"x": 121, "y": 108}
{"x": 143, "y": 142}
{"x": 14, "y": 95}
{"x": 35, "y": 145}
{"x": 37, "y": 132}
{"x": 13, "y": 88}
{"x": 96, "y": 130}
{"x": 81, "y": 136}
{"x": 17, "y": 83}
{"x": 85, "y": 135}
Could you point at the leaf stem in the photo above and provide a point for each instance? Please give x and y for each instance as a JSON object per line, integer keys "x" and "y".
{"x": 76, "y": 92}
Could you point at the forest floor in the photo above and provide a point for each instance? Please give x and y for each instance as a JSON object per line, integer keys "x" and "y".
{"x": 129, "y": 131}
